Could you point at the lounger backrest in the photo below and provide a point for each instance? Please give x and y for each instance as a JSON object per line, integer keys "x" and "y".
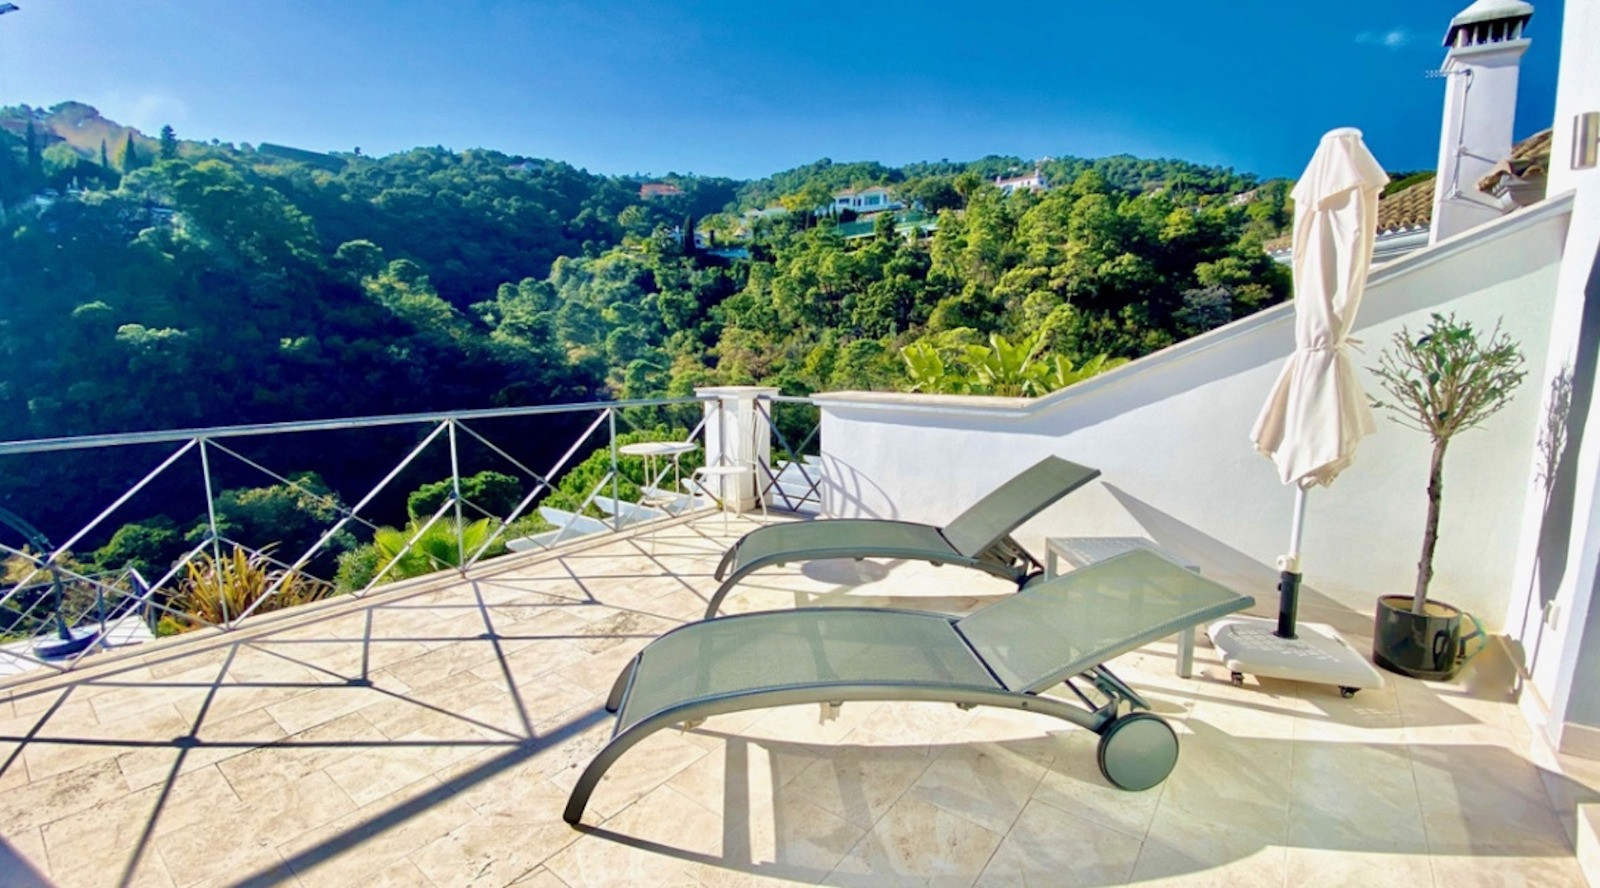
{"x": 1055, "y": 629}
{"x": 989, "y": 519}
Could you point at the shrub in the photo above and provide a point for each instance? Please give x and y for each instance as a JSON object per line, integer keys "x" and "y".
{"x": 357, "y": 567}
{"x": 215, "y": 589}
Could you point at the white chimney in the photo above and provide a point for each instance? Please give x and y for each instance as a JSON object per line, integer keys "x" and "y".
{"x": 1484, "y": 45}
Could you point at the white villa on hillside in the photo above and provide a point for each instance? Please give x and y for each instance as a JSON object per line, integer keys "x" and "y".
{"x": 1034, "y": 181}
{"x": 873, "y": 199}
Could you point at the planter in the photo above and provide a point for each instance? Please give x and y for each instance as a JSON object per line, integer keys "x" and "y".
{"x": 1426, "y": 646}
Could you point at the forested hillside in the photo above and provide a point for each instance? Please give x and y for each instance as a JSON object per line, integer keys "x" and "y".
{"x": 150, "y": 283}
{"x": 177, "y": 283}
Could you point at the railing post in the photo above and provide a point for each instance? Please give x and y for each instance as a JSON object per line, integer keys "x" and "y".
{"x": 616, "y": 486}
{"x": 455, "y": 496}
{"x": 737, "y": 434}
{"x": 211, "y": 524}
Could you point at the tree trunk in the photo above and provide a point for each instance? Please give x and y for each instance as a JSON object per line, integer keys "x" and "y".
{"x": 1430, "y": 534}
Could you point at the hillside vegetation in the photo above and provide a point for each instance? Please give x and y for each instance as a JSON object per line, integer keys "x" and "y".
{"x": 164, "y": 283}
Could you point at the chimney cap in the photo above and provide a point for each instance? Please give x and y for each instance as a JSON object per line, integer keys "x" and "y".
{"x": 1492, "y": 10}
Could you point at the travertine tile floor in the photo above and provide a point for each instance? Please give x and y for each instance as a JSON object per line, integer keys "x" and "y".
{"x": 429, "y": 736}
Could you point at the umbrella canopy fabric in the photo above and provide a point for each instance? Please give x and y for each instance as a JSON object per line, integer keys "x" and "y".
{"x": 1317, "y": 412}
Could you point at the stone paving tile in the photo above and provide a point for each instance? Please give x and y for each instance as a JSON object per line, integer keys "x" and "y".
{"x": 217, "y": 740}
{"x": 343, "y": 851}
{"x": 657, "y": 839}
{"x": 1072, "y": 851}
{"x": 55, "y": 748}
{"x": 859, "y": 784}
{"x": 49, "y": 799}
{"x": 303, "y": 753}
{"x": 916, "y": 843}
{"x": 99, "y": 845}
{"x": 792, "y": 842}
{"x": 500, "y": 844}
{"x": 1211, "y": 850}
{"x": 400, "y": 743}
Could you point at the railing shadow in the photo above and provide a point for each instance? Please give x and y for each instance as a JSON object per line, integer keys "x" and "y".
{"x": 300, "y": 648}
{"x": 1228, "y": 785}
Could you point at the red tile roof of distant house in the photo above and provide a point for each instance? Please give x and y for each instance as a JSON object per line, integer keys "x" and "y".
{"x": 658, "y": 189}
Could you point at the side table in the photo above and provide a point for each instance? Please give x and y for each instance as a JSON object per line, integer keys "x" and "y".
{"x": 652, "y": 452}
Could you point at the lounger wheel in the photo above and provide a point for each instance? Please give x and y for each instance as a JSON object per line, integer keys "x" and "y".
{"x": 1348, "y": 692}
{"x": 1238, "y": 679}
{"x": 1137, "y": 751}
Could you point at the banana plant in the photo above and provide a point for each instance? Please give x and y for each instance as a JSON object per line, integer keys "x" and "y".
{"x": 1060, "y": 372}
{"x": 1001, "y": 368}
{"x": 927, "y": 370}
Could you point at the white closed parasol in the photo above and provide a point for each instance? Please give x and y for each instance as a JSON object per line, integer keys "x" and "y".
{"x": 1317, "y": 411}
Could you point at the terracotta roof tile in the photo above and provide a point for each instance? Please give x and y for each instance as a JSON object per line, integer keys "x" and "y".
{"x": 1530, "y": 159}
{"x": 1410, "y": 207}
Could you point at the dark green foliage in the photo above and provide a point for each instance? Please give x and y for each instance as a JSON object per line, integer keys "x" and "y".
{"x": 35, "y": 157}
{"x": 292, "y": 516}
{"x": 149, "y": 547}
{"x": 493, "y": 492}
{"x": 169, "y": 143}
{"x": 357, "y": 567}
{"x": 220, "y": 285}
{"x": 128, "y": 160}
{"x": 1402, "y": 181}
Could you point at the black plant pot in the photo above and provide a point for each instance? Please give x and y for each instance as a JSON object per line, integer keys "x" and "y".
{"x": 1425, "y": 646}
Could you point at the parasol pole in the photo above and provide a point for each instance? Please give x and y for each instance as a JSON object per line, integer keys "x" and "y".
{"x": 1289, "y": 570}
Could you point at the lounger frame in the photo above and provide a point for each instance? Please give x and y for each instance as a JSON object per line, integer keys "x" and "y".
{"x": 1056, "y": 633}
{"x": 979, "y": 538}
{"x": 1095, "y": 719}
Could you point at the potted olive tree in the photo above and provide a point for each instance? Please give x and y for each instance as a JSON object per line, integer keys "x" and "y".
{"x": 1444, "y": 381}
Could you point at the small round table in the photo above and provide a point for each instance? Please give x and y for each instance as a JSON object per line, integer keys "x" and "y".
{"x": 652, "y": 451}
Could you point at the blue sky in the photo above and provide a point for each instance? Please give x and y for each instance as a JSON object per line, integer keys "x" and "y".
{"x": 748, "y": 88}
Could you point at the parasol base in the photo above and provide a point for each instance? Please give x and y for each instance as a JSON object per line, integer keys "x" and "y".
{"x": 1317, "y": 654}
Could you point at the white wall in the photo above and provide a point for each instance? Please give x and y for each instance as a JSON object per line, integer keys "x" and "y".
{"x": 1563, "y": 652}
{"x": 1475, "y": 134}
{"x": 1577, "y": 90}
{"x": 1171, "y": 434}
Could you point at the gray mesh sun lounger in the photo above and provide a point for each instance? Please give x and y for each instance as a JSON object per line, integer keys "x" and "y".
{"x": 1060, "y": 630}
{"x": 980, "y": 537}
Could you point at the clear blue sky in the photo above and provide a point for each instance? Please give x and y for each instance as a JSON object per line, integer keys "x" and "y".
{"x": 747, "y": 88}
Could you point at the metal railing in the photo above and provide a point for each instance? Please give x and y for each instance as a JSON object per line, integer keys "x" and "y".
{"x": 791, "y": 459}
{"x": 45, "y": 591}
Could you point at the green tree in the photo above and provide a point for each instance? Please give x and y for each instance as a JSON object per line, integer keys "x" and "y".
{"x": 493, "y": 492}
{"x": 128, "y": 159}
{"x": 169, "y": 143}
{"x": 291, "y": 516}
{"x": 35, "y": 154}
{"x": 147, "y": 546}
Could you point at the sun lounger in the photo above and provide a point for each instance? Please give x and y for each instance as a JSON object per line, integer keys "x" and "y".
{"x": 1054, "y": 631}
{"x": 979, "y": 538}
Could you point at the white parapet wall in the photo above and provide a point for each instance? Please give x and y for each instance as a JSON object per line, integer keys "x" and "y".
{"x": 1170, "y": 432}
